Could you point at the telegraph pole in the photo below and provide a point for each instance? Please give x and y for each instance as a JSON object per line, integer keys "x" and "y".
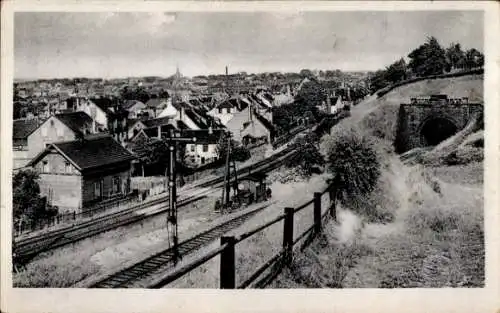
{"x": 227, "y": 173}
{"x": 172, "y": 140}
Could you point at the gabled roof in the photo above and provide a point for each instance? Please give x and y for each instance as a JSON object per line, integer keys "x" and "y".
{"x": 228, "y": 104}
{"x": 76, "y": 121}
{"x": 140, "y": 135}
{"x": 89, "y": 153}
{"x": 198, "y": 120}
{"x": 267, "y": 124}
{"x": 130, "y": 103}
{"x": 181, "y": 125}
{"x": 269, "y": 97}
{"x": 103, "y": 103}
{"x": 21, "y": 129}
{"x": 155, "y": 103}
{"x": 157, "y": 122}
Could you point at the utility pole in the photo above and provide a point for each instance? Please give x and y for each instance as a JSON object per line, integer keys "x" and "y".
{"x": 172, "y": 140}
{"x": 227, "y": 175}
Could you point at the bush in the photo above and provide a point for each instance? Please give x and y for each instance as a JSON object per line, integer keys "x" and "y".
{"x": 353, "y": 160}
{"x": 309, "y": 159}
{"x": 240, "y": 154}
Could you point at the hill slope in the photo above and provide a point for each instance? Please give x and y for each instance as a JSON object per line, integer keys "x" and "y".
{"x": 434, "y": 237}
{"x": 378, "y": 116}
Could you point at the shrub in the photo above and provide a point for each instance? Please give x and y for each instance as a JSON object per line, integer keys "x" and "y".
{"x": 353, "y": 160}
{"x": 309, "y": 159}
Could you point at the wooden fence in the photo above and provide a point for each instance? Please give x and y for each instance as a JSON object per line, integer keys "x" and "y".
{"x": 86, "y": 212}
{"x": 273, "y": 266}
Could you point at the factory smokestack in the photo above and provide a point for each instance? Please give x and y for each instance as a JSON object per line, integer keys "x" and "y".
{"x": 226, "y": 71}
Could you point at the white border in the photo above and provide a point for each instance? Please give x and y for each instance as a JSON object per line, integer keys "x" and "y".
{"x": 296, "y": 300}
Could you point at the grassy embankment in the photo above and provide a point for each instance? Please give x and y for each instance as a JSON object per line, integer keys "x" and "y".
{"x": 421, "y": 227}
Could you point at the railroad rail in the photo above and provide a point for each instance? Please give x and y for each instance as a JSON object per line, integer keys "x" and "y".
{"x": 164, "y": 259}
{"x": 26, "y": 249}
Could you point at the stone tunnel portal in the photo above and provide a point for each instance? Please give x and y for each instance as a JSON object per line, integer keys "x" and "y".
{"x": 436, "y": 130}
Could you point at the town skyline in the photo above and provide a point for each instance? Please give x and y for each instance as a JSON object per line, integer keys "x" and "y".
{"x": 126, "y": 45}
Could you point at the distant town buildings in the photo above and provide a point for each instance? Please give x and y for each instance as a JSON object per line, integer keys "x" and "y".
{"x": 75, "y": 132}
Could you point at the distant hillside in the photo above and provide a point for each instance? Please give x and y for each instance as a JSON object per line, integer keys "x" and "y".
{"x": 378, "y": 116}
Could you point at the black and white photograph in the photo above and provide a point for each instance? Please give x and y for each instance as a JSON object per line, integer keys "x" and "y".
{"x": 251, "y": 149}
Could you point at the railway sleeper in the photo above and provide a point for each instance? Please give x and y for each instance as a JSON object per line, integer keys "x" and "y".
{"x": 148, "y": 266}
{"x": 159, "y": 261}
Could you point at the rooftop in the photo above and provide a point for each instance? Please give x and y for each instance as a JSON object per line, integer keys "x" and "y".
{"x": 76, "y": 121}
{"x": 89, "y": 153}
{"x": 21, "y": 129}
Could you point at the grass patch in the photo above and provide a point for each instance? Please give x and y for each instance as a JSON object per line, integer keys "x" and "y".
{"x": 54, "y": 275}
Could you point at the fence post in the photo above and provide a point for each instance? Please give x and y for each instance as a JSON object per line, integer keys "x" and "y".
{"x": 317, "y": 212}
{"x": 227, "y": 266}
{"x": 288, "y": 235}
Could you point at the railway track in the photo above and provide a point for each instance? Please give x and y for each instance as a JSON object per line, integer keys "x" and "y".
{"x": 164, "y": 259}
{"x": 26, "y": 249}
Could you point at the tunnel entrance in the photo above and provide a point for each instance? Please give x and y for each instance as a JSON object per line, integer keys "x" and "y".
{"x": 437, "y": 130}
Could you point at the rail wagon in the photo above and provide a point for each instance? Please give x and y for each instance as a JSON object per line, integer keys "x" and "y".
{"x": 253, "y": 188}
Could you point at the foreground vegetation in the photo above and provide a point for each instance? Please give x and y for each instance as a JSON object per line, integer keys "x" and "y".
{"x": 420, "y": 226}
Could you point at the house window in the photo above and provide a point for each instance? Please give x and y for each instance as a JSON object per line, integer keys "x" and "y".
{"x": 116, "y": 184}
{"x": 45, "y": 167}
{"x": 97, "y": 190}
{"x": 228, "y": 110}
{"x": 192, "y": 148}
{"x": 220, "y": 110}
{"x": 67, "y": 167}
{"x": 205, "y": 148}
{"x": 202, "y": 160}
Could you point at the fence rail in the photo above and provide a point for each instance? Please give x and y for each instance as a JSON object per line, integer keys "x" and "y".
{"x": 284, "y": 258}
{"x": 91, "y": 211}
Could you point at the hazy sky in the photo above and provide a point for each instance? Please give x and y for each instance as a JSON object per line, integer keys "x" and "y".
{"x": 137, "y": 44}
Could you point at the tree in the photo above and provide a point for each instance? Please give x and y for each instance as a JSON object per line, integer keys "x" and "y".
{"x": 473, "y": 59}
{"x": 428, "y": 59}
{"x": 306, "y": 73}
{"x": 238, "y": 152}
{"x": 454, "y": 57}
{"x": 28, "y": 205}
{"x": 152, "y": 152}
{"x": 164, "y": 94}
{"x": 396, "y": 72}
{"x": 309, "y": 159}
{"x": 378, "y": 80}
{"x": 138, "y": 93}
{"x": 312, "y": 93}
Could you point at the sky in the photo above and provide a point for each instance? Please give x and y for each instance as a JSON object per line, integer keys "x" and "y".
{"x": 111, "y": 45}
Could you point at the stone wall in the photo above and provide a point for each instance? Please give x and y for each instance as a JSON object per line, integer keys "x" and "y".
{"x": 412, "y": 117}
